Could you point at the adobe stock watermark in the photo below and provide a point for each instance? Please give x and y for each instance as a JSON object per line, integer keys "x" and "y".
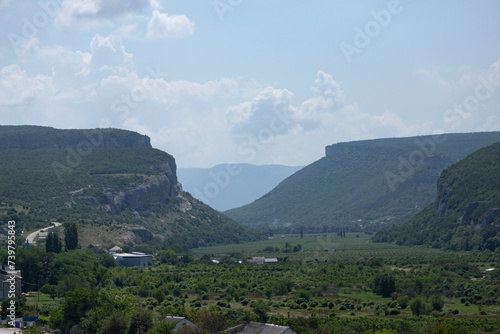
{"x": 249, "y": 149}
{"x": 224, "y": 6}
{"x": 453, "y": 117}
{"x": 137, "y": 94}
{"x": 31, "y": 26}
{"x": 95, "y": 138}
{"x": 363, "y": 37}
{"x": 11, "y": 265}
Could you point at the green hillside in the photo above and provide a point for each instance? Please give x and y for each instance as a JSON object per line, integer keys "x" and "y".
{"x": 30, "y": 137}
{"x": 466, "y": 212}
{"x": 108, "y": 190}
{"x": 363, "y": 185}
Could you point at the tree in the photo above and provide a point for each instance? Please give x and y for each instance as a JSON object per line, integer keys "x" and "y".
{"x": 71, "y": 236}
{"x": 208, "y": 321}
{"x": 437, "y": 302}
{"x": 76, "y": 305}
{"x": 116, "y": 324}
{"x": 53, "y": 243}
{"x": 384, "y": 284}
{"x": 261, "y": 308}
{"x": 418, "y": 307}
{"x": 403, "y": 301}
{"x": 141, "y": 322}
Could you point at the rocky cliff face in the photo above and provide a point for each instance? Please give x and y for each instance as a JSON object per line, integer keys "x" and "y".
{"x": 164, "y": 187}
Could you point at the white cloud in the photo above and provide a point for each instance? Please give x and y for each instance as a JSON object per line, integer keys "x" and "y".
{"x": 127, "y": 31}
{"x": 163, "y": 25}
{"x": 85, "y": 14}
{"x": 107, "y": 56}
{"x": 250, "y": 117}
{"x": 18, "y": 88}
{"x": 324, "y": 85}
{"x": 492, "y": 123}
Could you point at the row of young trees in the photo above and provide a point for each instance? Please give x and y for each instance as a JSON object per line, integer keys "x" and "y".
{"x": 54, "y": 244}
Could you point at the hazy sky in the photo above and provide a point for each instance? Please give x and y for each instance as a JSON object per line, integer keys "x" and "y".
{"x": 250, "y": 80}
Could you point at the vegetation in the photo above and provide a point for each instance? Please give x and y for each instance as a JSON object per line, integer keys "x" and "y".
{"x": 339, "y": 282}
{"x": 70, "y": 236}
{"x": 78, "y": 185}
{"x": 53, "y": 243}
{"x": 26, "y": 137}
{"x": 410, "y": 289}
{"x": 364, "y": 185}
{"x": 466, "y": 212}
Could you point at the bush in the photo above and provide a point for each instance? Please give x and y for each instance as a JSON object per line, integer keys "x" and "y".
{"x": 384, "y": 284}
{"x": 418, "y": 307}
{"x": 403, "y": 301}
{"x": 394, "y": 311}
{"x": 437, "y": 302}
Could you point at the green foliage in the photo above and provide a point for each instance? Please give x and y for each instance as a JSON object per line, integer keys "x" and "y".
{"x": 76, "y": 305}
{"x": 403, "y": 301}
{"x": 27, "y": 137}
{"x": 384, "y": 284}
{"x": 140, "y": 322}
{"x": 353, "y": 183}
{"x": 67, "y": 184}
{"x": 436, "y": 302}
{"x": 115, "y": 324}
{"x": 71, "y": 235}
{"x": 261, "y": 308}
{"x": 20, "y": 306}
{"x": 53, "y": 243}
{"x": 418, "y": 306}
{"x": 465, "y": 214}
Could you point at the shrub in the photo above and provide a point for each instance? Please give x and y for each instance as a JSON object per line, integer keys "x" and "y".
{"x": 418, "y": 307}
{"x": 403, "y": 301}
{"x": 437, "y": 302}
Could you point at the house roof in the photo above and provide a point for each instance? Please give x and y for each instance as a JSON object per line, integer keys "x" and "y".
{"x": 116, "y": 249}
{"x": 133, "y": 254}
{"x": 258, "y": 328}
{"x": 271, "y": 260}
{"x": 172, "y": 319}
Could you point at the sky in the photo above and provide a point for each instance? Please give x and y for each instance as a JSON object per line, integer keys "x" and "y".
{"x": 260, "y": 82}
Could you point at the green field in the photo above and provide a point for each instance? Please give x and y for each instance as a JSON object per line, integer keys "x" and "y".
{"x": 325, "y": 246}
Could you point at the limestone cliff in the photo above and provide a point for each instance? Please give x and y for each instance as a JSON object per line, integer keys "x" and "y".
{"x": 161, "y": 188}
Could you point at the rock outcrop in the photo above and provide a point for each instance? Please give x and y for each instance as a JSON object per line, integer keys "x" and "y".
{"x": 164, "y": 187}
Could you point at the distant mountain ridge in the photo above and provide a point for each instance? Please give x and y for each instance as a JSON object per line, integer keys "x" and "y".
{"x": 30, "y": 137}
{"x": 109, "y": 181}
{"x": 362, "y": 185}
{"x": 466, "y": 212}
{"x": 228, "y": 186}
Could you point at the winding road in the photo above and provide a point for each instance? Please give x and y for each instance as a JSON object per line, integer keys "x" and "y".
{"x": 31, "y": 237}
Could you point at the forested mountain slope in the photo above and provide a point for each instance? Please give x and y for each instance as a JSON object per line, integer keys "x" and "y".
{"x": 466, "y": 212}
{"x": 107, "y": 190}
{"x": 362, "y": 185}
